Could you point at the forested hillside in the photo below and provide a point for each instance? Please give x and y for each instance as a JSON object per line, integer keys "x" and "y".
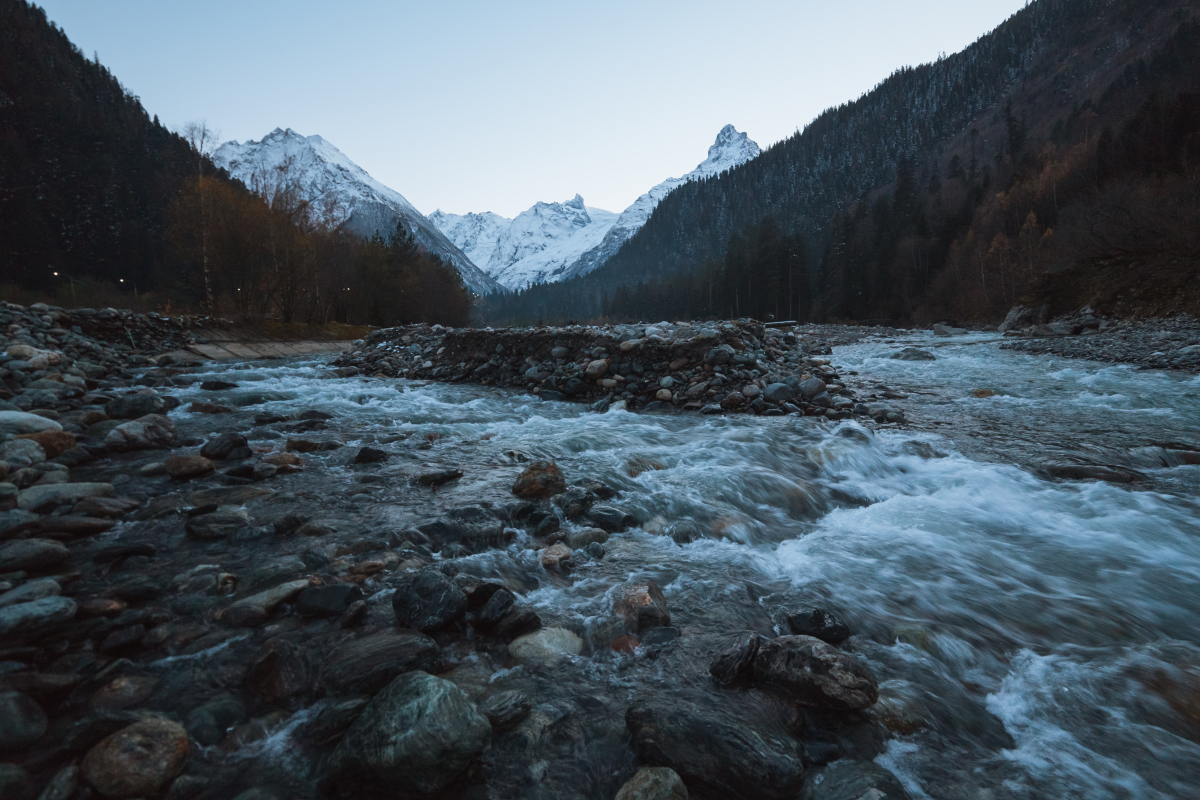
{"x": 100, "y": 202}
{"x": 891, "y": 205}
{"x": 86, "y": 175}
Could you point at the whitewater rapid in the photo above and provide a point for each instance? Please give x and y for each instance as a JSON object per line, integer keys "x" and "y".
{"x": 1032, "y": 637}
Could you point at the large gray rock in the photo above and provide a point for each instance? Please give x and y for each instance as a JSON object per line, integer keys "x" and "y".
{"x": 366, "y": 665}
{"x": 779, "y": 393}
{"x": 415, "y": 738}
{"x": 743, "y": 750}
{"x": 812, "y": 387}
{"x": 14, "y": 521}
{"x": 22, "y": 722}
{"x": 31, "y": 555}
{"x": 21, "y": 453}
{"x": 32, "y": 590}
{"x": 813, "y": 673}
{"x": 854, "y": 780}
{"x": 24, "y": 619}
{"x": 37, "y": 498}
{"x": 151, "y": 432}
{"x": 18, "y": 422}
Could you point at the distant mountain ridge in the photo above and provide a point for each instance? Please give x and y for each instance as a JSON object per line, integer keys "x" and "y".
{"x": 551, "y": 242}
{"x": 345, "y": 194}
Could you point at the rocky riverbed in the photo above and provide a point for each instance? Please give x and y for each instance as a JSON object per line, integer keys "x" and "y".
{"x": 374, "y": 578}
{"x": 1151, "y": 344}
{"x": 711, "y": 368}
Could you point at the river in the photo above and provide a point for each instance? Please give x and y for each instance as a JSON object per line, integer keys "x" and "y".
{"x": 1032, "y": 637}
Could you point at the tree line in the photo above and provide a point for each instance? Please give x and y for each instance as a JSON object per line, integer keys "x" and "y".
{"x": 99, "y": 202}
{"x": 1026, "y": 202}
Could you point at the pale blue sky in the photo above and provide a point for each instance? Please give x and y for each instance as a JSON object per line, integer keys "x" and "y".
{"x": 478, "y": 106}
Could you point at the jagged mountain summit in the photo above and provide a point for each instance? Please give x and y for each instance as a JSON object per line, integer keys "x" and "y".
{"x": 554, "y": 241}
{"x": 343, "y": 193}
{"x": 537, "y": 246}
{"x": 729, "y": 150}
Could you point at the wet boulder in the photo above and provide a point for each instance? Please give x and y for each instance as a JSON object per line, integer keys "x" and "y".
{"x": 540, "y": 480}
{"x": 327, "y": 601}
{"x": 151, "y": 432}
{"x": 188, "y": 467}
{"x": 428, "y": 600}
{"x": 505, "y": 709}
{"x": 208, "y": 722}
{"x": 133, "y": 406}
{"x": 137, "y": 761}
{"x": 366, "y": 665}
{"x": 34, "y": 617}
{"x": 854, "y": 780}
{"x": 814, "y": 673}
{"x": 415, "y": 738}
{"x": 496, "y": 607}
{"x": 278, "y": 670}
{"x": 220, "y": 448}
{"x": 53, "y": 443}
{"x": 642, "y": 605}
{"x": 22, "y": 722}
{"x": 779, "y": 393}
{"x": 744, "y": 751}
{"x": 19, "y": 422}
{"x": 812, "y": 388}
{"x": 32, "y": 590}
{"x": 610, "y": 519}
{"x": 654, "y": 783}
{"x": 20, "y": 453}
{"x": 735, "y": 662}
{"x": 257, "y": 609}
{"x": 819, "y": 623}
{"x": 545, "y": 644}
{"x": 220, "y": 524}
{"x": 913, "y": 354}
{"x": 31, "y": 555}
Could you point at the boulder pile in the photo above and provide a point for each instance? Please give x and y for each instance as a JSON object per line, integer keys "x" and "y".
{"x": 712, "y": 367}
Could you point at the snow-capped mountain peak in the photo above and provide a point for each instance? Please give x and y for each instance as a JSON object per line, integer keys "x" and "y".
{"x": 343, "y": 194}
{"x": 729, "y": 150}
{"x": 553, "y": 241}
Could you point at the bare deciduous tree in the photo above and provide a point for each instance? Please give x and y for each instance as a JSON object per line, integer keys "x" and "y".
{"x": 203, "y": 141}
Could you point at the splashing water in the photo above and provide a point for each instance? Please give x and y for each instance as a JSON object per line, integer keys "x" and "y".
{"x": 1035, "y": 637}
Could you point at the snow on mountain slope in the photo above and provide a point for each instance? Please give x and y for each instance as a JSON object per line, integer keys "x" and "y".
{"x": 729, "y": 150}
{"x": 535, "y": 247}
{"x": 474, "y": 234}
{"x": 554, "y": 241}
{"x": 342, "y": 192}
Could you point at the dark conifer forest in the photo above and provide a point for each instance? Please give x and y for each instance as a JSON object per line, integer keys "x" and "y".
{"x": 1052, "y": 161}
{"x": 98, "y": 200}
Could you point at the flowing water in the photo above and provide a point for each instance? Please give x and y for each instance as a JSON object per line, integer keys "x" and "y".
{"x": 1032, "y": 637}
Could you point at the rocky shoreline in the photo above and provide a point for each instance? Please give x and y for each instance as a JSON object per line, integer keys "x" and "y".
{"x": 735, "y": 367}
{"x": 1171, "y": 344}
{"x": 177, "y": 592}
